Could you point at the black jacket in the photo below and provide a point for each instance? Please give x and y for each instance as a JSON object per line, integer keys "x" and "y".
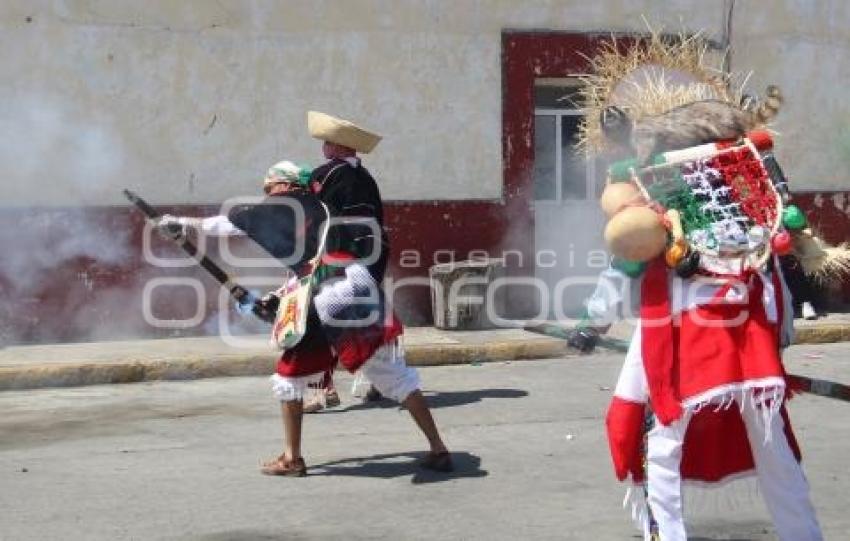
{"x": 350, "y": 191}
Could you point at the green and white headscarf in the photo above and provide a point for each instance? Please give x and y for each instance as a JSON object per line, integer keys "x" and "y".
{"x": 287, "y": 172}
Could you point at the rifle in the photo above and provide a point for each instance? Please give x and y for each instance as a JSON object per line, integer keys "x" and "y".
{"x": 796, "y": 382}
{"x": 242, "y": 296}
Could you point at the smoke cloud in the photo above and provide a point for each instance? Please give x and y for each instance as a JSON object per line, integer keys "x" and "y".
{"x": 59, "y": 248}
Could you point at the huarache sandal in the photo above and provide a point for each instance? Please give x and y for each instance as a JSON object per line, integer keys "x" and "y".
{"x": 286, "y": 467}
{"x": 440, "y": 462}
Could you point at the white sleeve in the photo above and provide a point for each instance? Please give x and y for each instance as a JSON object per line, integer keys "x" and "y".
{"x": 632, "y": 384}
{"x": 603, "y": 305}
{"x": 219, "y": 226}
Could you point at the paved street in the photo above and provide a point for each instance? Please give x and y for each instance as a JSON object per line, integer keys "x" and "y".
{"x": 179, "y": 461}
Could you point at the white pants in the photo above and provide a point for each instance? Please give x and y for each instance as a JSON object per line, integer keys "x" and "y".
{"x": 386, "y": 369}
{"x": 780, "y": 478}
{"x": 389, "y": 373}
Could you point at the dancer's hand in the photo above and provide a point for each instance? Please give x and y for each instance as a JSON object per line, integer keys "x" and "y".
{"x": 583, "y": 339}
{"x": 266, "y": 307}
{"x": 172, "y": 227}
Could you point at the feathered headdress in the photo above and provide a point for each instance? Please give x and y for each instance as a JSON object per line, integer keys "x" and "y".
{"x": 649, "y": 77}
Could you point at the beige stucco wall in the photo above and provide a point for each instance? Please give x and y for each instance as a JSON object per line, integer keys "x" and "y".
{"x": 190, "y": 101}
{"x": 804, "y": 47}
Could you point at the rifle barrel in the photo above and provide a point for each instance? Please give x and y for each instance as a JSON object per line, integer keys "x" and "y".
{"x": 818, "y": 387}
{"x": 237, "y": 291}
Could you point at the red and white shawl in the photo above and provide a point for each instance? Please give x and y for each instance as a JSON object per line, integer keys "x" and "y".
{"x": 699, "y": 346}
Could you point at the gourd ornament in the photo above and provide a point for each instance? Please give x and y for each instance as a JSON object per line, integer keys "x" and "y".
{"x": 636, "y": 234}
{"x": 619, "y": 195}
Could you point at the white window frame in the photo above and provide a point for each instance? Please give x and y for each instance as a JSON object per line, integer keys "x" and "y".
{"x": 590, "y": 169}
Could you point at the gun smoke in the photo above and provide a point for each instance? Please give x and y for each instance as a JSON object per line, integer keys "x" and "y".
{"x": 60, "y": 248}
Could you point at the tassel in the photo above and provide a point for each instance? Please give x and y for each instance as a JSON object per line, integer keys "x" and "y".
{"x": 820, "y": 261}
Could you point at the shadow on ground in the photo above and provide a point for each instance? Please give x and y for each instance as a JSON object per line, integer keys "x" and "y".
{"x": 720, "y": 538}
{"x": 387, "y": 466}
{"x": 440, "y": 400}
{"x": 701, "y": 538}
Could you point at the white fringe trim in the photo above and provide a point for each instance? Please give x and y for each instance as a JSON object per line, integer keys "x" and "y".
{"x": 722, "y": 497}
{"x": 699, "y": 498}
{"x": 764, "y": 395}
{"x": 635, "y": 502}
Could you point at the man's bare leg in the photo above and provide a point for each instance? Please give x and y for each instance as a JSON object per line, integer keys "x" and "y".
{"x": 418, "y": 408}
{"x": 292, "y": 413}
{"x": 387, "y": 371}
{"x": 439, "y": 458}
{"x": 290, "y": 463}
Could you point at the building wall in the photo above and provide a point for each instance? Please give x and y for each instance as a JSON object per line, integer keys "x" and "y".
{"x": 192, "y": 100}
{"x": 804, "y": 47}
{"x": 189, "y": 102}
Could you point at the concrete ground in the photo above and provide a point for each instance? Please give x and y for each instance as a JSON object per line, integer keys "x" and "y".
{"x": 178, "y": 460}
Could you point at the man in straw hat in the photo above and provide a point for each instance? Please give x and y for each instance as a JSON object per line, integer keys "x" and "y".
{"x": 355, "y": 322}
{"x": 332, "y": 326}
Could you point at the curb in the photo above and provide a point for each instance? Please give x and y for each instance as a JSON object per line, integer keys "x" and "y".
{"x": 79, "y": 374}
{"x": 822, "y": 334}
{"x": 234, "y": 365}
{"x": 187, "y": 367}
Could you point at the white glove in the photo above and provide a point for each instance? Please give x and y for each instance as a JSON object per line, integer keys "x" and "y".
{"x": 173, "y": 227}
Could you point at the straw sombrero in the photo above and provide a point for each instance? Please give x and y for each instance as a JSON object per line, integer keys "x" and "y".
{"x": 342, "y": 132}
